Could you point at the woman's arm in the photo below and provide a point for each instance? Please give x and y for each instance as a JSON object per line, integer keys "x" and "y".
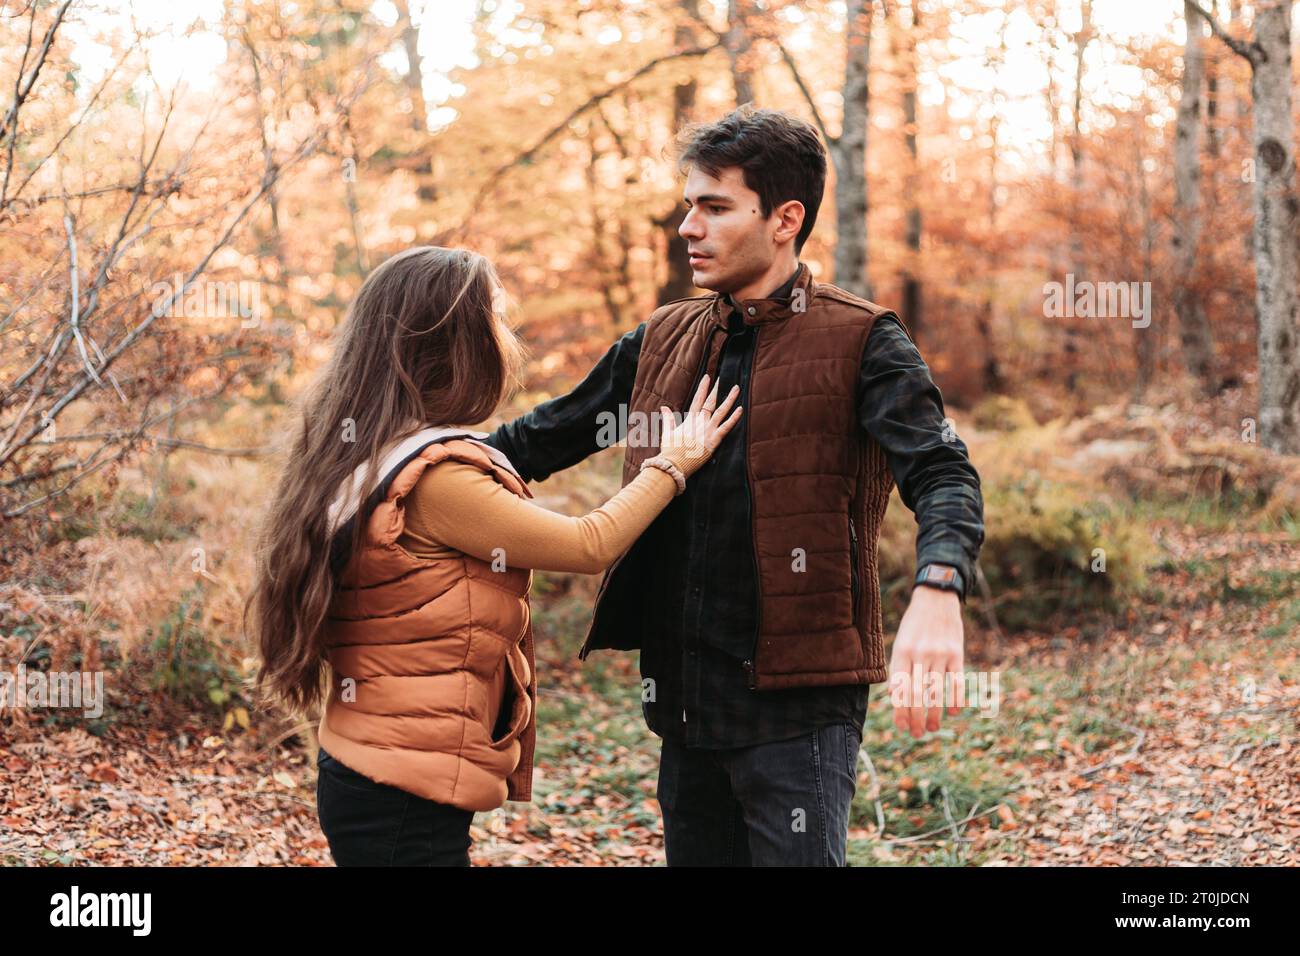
{"x": 460, "y": 506}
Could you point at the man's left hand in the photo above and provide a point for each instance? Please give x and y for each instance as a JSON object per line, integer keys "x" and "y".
{"x": 930, "y": 641}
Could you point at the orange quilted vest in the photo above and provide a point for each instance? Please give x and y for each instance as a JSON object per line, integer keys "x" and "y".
{"x": 413, "y": 643}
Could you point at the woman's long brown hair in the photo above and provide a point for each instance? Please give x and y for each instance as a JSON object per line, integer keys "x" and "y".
{"x": 421, "y": 345}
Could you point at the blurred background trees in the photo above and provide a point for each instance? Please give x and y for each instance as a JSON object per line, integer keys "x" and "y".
{"x": 978, "y": 150}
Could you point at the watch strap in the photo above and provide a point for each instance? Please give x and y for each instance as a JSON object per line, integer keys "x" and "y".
{"x": 942, "y": 576}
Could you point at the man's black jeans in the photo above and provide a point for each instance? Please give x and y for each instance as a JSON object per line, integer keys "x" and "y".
{"x": 373, "y": 824}
{"x": 774, "y": 804}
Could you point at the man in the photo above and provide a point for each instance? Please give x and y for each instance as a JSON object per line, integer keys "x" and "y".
{"x": 754, "y": 597}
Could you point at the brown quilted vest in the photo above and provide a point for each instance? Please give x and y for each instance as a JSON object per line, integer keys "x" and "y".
{"x": 819, "y": 484}
{"x": 420, "y": 639}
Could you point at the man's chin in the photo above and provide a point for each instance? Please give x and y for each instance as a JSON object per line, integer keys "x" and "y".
{"x": 707, "y": 280}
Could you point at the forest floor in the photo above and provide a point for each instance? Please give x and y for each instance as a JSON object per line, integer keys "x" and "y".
{"x": 1162, "y": 731}
{"x": 1166, "y": 738}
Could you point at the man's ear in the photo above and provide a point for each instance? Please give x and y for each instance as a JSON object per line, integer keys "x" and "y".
{"x": 789, "y": 221}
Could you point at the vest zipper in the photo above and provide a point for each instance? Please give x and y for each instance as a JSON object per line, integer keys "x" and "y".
{"x": 853, "y": 566}
{"x": 704, "y": 357}
{"x": 749, "y": 665}
{"x": 699, "y": 371}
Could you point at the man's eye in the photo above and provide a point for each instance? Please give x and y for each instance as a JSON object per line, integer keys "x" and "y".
{"x": 716, "y": 210}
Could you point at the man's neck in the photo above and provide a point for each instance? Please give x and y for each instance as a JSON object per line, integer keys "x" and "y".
{"x": 777, "y": 274}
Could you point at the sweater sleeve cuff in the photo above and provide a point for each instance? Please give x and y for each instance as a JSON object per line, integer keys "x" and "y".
{"x": 689, "y": 456}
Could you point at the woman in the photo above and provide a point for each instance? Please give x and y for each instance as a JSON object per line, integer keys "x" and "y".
{"x": 398, "y": 549}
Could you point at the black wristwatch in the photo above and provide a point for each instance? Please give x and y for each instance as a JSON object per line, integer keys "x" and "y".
{"x": 942, "y": 576}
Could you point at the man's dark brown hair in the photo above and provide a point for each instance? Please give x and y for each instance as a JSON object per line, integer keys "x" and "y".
{"x": 781, "y": 157}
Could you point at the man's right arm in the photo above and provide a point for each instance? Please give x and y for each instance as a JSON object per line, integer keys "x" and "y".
{"x": 563, "y": 431}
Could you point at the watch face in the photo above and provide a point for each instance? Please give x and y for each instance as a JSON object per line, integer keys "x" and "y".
{"x": 940, "y": 574}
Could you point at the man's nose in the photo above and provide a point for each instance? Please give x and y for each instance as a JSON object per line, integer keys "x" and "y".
{"x": 690, "y": 227}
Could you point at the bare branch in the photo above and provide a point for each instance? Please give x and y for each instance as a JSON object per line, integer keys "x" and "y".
{"x": 37, "y": 288}
{"x": 1243, "y": 49}
{"x": 98, "y": 191}
{"x": 9, "y": 125}
{"x": 74, "y": 295}
{"x": 74, "y": 391}
{"x": 79, "y": 315}
{"x": 89, "y": 465}
{"x": 527, "y": 155}
{"x": 54, "y": 335}
{"x": 21, "y": 89}
{"x": 5, "y": 198}
{"x": 162, "y": 440}
{"x": 50, "y": 363}
{"x": 803, "y": 88}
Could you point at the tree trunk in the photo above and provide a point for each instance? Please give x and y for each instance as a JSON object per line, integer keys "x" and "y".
{"x": 849, "y": 153}
{"x": 1072, "y": 351}
{"x": 1146, "y": 337}
{"x": 738, "y": 45}
{"x": 1211, "y": 93}
{"x": 1193, "y": 326}
{"x": 991, "y": 377}
{"x": 274, "y": 243}
{"x": 350, "y": 173}
{"x": 627, "y": 288}
{"x": 1241, "y": 112}
{"x": 680, "y": 281}
{"x": 414, "y": 81}
{"x": 1049, "y": 29}
{"x": 1277, "y": 229}
{"x": 600, "y": 242}
{"x": 904, "y": 42}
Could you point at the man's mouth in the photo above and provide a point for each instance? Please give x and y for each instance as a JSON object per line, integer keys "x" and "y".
{"x": 698, "y": 257}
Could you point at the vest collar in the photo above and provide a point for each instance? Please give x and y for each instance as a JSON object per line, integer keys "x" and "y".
{"x": 760, "y": 311}
{"x": 350, "y": 495}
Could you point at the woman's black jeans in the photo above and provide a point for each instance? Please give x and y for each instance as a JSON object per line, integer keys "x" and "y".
{"x": 373, "y": 824}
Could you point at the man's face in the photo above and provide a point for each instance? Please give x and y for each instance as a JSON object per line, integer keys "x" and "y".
{"x": 731, "y": 243}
